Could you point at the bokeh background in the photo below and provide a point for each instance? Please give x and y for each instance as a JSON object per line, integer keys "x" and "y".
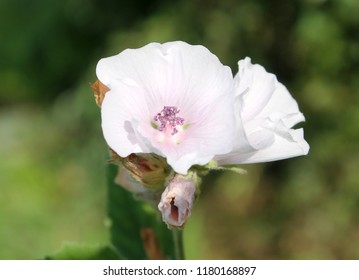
{"x": 52, "y": 155}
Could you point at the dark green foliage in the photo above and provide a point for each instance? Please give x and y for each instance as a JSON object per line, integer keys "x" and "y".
{"x": 47, "y": 45}
{"x": 128, "y": 216}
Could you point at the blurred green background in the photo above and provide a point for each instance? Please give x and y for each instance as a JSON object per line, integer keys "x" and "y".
{"x": 52, "y": 167}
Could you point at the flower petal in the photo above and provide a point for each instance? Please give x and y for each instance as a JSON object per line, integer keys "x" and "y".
{"x": 117, "y": 127}
{"x": 267, "y": 114}
{"x": 255, "y": 86}
{"x": 282, "y": 148}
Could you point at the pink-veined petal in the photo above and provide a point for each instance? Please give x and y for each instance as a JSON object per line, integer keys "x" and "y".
{"x": 117, "y": 126}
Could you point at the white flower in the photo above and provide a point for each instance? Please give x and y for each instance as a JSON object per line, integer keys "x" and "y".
{"x": 266, "y": 113}
{"x": 172, "y": 99}
{"x": 177, "y": 200}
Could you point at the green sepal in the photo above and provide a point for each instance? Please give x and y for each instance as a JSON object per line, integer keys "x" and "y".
{"x": 203, "y": 170}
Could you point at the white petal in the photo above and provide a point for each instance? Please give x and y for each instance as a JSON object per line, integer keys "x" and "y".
{"x": 182, "y": 164}
{"x": 267, "y": 114}
{"x": 281, "y": 102}
{"x": 258, "y": 89}
{"x": 175, "y": 72}
{"x": 261, "y": 138}
{"x": 281, "y": 149}
{"x": 117, "y": 127}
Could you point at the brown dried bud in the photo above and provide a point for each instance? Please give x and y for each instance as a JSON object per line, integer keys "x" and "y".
{"x": 99, "y": 90}
{"x": 149, "y": 170}
{"x": 125, "y": 179}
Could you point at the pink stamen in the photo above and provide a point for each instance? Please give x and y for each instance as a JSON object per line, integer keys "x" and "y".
{"x": 167, "y": 118}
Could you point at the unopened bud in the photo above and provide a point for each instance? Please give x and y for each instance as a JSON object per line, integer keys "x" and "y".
{"x": 125, "y": 179}
{"x": 177, "y": 200}
{"x": 149, "y": 170}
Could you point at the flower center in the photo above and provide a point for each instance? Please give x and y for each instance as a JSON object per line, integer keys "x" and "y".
{"x": 168, "y": 120}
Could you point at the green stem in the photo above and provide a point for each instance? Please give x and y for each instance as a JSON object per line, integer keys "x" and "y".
{"x": 178, "y": 244}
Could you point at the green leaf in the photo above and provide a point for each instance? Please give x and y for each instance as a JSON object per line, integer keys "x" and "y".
{"x": 85, "y": 252}
{"x": 129, "y": 217}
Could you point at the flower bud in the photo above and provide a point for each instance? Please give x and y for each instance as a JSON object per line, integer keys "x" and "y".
{"x": 149, "y": 170}
{"x": 177, "y": 200}
{"x": 125, "y": 179}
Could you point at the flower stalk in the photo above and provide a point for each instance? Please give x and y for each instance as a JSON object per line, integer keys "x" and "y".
{"x": 178, "y": 244}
